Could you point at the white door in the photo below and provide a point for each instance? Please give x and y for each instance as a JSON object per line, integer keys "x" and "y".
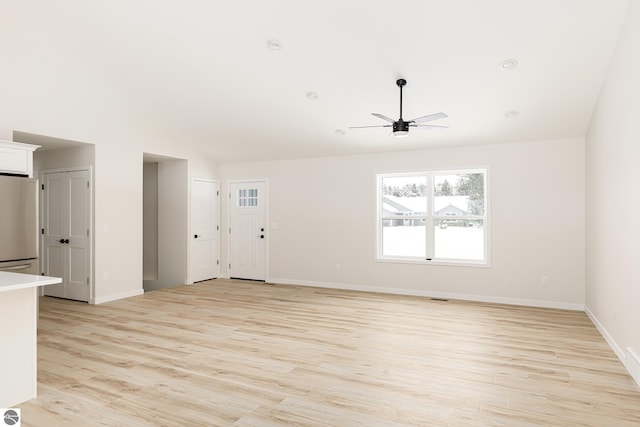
{"x": 65, "y": 248}
{"x": 247, "y": 238}
{"x": 205, "y": 227}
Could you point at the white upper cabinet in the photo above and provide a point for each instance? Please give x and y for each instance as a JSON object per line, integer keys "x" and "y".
{"x": 17, "y": 158}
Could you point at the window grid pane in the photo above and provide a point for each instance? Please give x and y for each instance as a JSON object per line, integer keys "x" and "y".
{"x": 247, "y": 197}
{"x": 404, "y": 238}
{"x": 462, "y": 241}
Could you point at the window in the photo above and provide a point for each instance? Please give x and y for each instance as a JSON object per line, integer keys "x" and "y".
{"x": 248, "y": 197}
{"x": 433, "y": 217}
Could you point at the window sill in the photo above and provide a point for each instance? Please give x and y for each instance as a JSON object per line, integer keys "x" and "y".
{"x": 477, "y": 264}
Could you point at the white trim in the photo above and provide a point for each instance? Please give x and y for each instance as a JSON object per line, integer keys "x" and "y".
{"x": 628, "y": 357}
{"x": 432, "y": 294}
{"x": 444, "y": 263}
{"x": 633, "y": 365}
{"x": 612, "y": 343}
{"x": 113, "y": 297}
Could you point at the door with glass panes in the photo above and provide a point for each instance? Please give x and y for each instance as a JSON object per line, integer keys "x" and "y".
{"x": 247, "y": 231}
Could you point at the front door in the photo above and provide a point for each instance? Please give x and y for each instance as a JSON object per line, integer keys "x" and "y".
{"x": 205, "y": 229}
{"x": 248, "y": 232}
{"x": 66, "y": 219}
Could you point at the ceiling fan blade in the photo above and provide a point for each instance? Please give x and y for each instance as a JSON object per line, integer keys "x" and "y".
{"x": 361, "y": 127}
{"x": 380, "y": 116}
{"x": 432, "y": 127}
{"x": 429, "y": 118}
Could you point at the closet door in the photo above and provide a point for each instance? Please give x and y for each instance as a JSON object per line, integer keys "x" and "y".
{"x": 66, "y": 228}
{"x": 205, "y": 195}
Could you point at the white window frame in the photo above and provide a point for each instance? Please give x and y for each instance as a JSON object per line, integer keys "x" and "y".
{"x": 430, "y": 219}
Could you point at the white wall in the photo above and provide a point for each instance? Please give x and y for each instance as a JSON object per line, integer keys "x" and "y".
{"x": 324, "y": 209}
{"x": 118, "y": 209}
{"x": 173, "y": 207}
{"x": 63, "y": 158}
{"x": 613, "y": 226}
{"x": 150, "y": 222}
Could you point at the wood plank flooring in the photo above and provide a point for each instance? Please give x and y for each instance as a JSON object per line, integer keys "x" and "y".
{"x": 234, "y": 353}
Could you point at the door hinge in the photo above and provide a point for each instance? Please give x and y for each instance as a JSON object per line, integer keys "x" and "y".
{"x": 229, "y": 266}
{"x": 87, "y": 232}
{"x": 217, "y": 262}
{"x": 87, "y": 184}
{"x": 229, "y": 230}
{"x": 42, "y": 231}
{"x": 217, "y": 193}
{"x": 87, "y": 280}
{"x": 42, "y": 187}
{"x": 217, "y": 228}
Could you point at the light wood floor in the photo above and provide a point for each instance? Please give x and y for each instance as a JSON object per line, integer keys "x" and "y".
{"x": 233, "y": 353}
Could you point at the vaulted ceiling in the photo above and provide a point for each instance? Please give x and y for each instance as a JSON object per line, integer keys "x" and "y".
{"x": 201, "y": 72}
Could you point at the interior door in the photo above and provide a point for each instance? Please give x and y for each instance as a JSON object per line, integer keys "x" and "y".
{"x": 205, "y": 227}
{"x": 66, "y": 228}
{"x": 247, "y": 238}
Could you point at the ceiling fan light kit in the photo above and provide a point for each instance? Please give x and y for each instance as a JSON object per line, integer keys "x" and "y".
{"x": 401, "y": 127}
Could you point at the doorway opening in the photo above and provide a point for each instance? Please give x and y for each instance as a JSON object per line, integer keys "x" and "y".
{"x": 165, "y": 222}
{"x": 65, "y": 170}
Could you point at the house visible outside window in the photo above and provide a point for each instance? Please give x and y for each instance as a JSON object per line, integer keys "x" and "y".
{"x": 433, "y": 217}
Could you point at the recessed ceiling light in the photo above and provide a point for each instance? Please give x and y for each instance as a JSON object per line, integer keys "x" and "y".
{"x": 274, "y": 44}
{"x": 312, "y": 96}
{"x": 512, "y": 114}
{"x": 508, "y": 64}
{"x": 340, "y": 132}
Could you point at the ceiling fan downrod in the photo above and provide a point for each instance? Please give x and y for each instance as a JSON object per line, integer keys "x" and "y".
{"x": 401, "y": 83}
{"x": 400, "y": 127}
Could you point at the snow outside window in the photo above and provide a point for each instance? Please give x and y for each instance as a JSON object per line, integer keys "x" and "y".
{"x": 433, "y": 217}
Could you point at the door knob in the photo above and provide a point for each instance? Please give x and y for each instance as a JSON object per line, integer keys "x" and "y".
{"x": 262, "y": 236}
{"x": 195, "y": 236}
{"x": 66, "y": 241}
{"x": 61, "y": 241}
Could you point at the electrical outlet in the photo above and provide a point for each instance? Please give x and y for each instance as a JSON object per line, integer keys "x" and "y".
{"x": 544, "y": 281}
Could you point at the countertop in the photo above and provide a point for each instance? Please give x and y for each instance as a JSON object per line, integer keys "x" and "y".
{"x": 12, "y": 281}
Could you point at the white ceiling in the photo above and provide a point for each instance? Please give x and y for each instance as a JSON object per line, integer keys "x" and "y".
{"x": 200, "y": 72}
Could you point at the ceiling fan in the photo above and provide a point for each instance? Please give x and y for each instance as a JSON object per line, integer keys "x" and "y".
{"x": 400, "y": 126}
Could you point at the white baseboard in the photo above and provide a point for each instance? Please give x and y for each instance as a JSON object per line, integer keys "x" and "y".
{"x": 612, "y": 343}
{"x": 628, "y": 357}
{"x": 432, "y": 294}
{"x": 122, "y": 295}
{"x": 633, "y": 365}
